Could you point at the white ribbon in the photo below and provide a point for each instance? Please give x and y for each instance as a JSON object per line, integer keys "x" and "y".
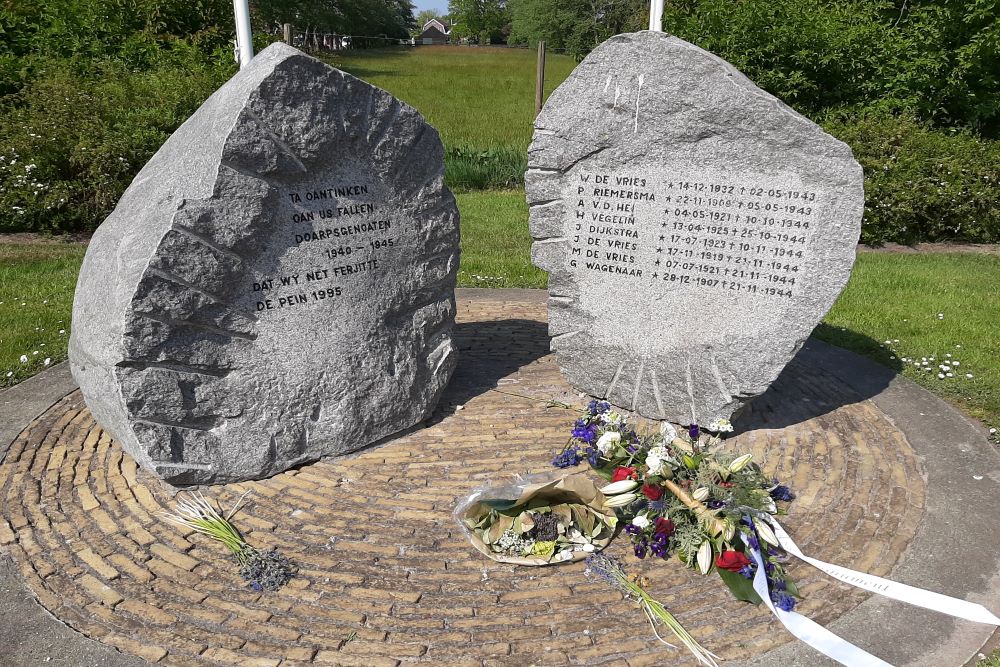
{"x": 811, "y": 632}
{"x": 890, "y": 589}
{"x": 830, "y": 644}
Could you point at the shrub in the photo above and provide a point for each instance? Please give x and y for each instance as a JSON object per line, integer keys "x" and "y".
{"x": 923, "y": 184}
{"x": 70, "y": 144}
{"x": 470, "y": 168}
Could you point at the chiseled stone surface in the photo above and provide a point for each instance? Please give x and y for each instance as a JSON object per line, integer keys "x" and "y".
{"x": 695, "y": 229}
{"x": 277, "y": 284}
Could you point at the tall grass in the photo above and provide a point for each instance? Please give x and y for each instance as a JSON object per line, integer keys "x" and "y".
{"x": 481, "y": 100}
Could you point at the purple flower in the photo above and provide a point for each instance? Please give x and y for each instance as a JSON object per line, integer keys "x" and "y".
{"x": 694, "y": 431}
{"x": 782, "y": 492}
{"x": 752, "y": 542}
{"x": 593, "y": 454}
{"x": 633, "y": 529}
{"x": 598, "y": 407}
{"x": 782, "y": 601}
{"x": 715, "y": 504}
{"x": 640, "y": 550}
{"x": 567, "y": 458}
{"x": 585, "y": 432}
{"x": 747, "y": 571}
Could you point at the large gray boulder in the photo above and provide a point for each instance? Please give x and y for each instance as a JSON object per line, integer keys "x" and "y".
{"x": 695, "y": 229}
{"x": 277, "y": 284}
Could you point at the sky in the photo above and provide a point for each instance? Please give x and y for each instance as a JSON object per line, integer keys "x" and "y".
{"x": 441, "y": 6}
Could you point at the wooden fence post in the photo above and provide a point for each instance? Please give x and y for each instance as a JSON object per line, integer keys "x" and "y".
{"x": 288, "y": 33}
{"x": 540, "y": 78}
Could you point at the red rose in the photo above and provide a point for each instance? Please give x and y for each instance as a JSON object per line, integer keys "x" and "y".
{"x": 734, "y": 561}
{"x": 663, "y": 527}
{"x": 652, "y": 492}
{"x": 623, "y": 473}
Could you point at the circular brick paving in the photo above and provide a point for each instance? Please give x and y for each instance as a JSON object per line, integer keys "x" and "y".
{"x": 383, "y": 562}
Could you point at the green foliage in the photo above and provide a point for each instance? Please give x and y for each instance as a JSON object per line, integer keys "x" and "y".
{"x": 924, "y": 184}
{"x": 936, "y": 59}
{"x": 71, "y": 144}
{"x": 390, "y": 18}
{"x": 574, "y": 27}
{"x": 471, "y": 168}
{"x": 485, "y": 21}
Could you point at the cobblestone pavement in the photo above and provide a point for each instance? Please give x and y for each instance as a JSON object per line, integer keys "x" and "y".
{"x": 386, "y": 576}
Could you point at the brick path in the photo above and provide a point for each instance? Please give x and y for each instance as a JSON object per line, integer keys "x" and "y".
{"x": 382, "y": 559}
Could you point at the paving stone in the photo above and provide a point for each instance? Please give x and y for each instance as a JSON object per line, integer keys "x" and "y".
{"x": 413, "y": 590}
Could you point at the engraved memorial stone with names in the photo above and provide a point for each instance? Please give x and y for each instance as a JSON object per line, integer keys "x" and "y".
{"x": 695, "y": 229}
{"x": 277, "y": 284}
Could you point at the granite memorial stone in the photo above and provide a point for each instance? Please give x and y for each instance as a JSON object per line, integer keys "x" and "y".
{"x": 277, "y": 284}
{"x": 695, "y": 229}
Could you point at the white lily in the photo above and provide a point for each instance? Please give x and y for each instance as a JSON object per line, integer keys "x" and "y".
{"x": 740, "y": 463}
{"x": 621, "y": 486}
{"x": 765, "y": 532}
{"x": 620, "y": 500}
{"x": 667, "y": 431}
{"x": 705, "y": 556}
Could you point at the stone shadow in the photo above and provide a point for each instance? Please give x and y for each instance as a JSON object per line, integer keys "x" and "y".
{"x": 491, "y": 350}
{"x": 824, "y": 375}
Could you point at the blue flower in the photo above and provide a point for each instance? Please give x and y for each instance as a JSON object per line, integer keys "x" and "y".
{"x": 593, "y": 454}
{"x": 566, "y": 459}
{"x": 782, "y": 492}
{"x": 747, "y": 571}
{"x": 659, "y": 506}
{"x": 694, "y": 431}
{"x": 585, "y": 432}
{"x": 782, "y": 601}
{"x": 598, "y": 407}
{"x": 752, "y": 542}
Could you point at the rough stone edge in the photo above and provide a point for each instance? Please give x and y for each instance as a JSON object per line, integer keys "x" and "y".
{"x": 32, "y": 634}
{"x": 903, "y": 634}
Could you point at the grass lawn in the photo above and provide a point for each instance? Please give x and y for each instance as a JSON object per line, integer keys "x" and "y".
{"x": 36, "y": 298}
{"x": 475, "y": 96}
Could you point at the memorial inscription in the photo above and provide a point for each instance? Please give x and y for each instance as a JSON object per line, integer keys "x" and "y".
{"x": 277, "y": 284}
{"x": 694, "y": 228}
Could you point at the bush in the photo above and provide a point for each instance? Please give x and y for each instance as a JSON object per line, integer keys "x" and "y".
{"x": 470, "y": 168}
{"x": 923, "y": 184}
{"x": 71, "y": 144}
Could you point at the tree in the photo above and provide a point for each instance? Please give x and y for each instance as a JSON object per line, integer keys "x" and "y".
{"x": 480, "y": 19}
{"x": 426, "y": 15}
{"x": 573, "y": 26}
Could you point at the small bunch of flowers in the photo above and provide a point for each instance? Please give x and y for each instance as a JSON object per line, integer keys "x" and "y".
{"x": 552, "y": 532}
{"x": 683, "y": 494}
{"x": 262, "y": 570}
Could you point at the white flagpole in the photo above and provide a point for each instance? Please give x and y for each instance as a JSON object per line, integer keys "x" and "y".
{"x": 656, "y": 15}
{"x": 244, "y": 38}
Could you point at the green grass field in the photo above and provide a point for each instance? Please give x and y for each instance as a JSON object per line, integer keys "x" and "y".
{"x": 474, "y": 96}
{"x": 36, "y": 298}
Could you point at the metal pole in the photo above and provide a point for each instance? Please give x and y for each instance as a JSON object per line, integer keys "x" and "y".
{"x": 656, "y": 15}
{"x": 244, "y": 38}
{"x": 540, "y": 78}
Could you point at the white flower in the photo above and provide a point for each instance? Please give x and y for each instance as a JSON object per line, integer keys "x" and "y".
{"x": 640, "y": 521}
{"x": 608, "y": 440}
{"x": 619, "y": 487}
{"x": 48, "y": 360}
{"x": 968, "y": 375}
{"x": 951, "y": 375}
{"x": 667, "y": 431}
{"x": 62, "y": 331}
{"x": 720, "y": 426}
{"x": 940, "y": 376}
{"x": 24, "y": 358}
{"x": 563, "y": 555}
{"x": 700, "y": 494}
{"x": 9, "y": 373}
{"x": 705, "y": 556}
{"x": 588, "y": 547}
{"x": 956, "y": 363}
{"x": 656, "y": 458}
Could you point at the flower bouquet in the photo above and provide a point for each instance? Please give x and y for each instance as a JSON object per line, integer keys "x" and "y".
{"x": 539, "y": 522}
{"x": 683, "y": 494}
